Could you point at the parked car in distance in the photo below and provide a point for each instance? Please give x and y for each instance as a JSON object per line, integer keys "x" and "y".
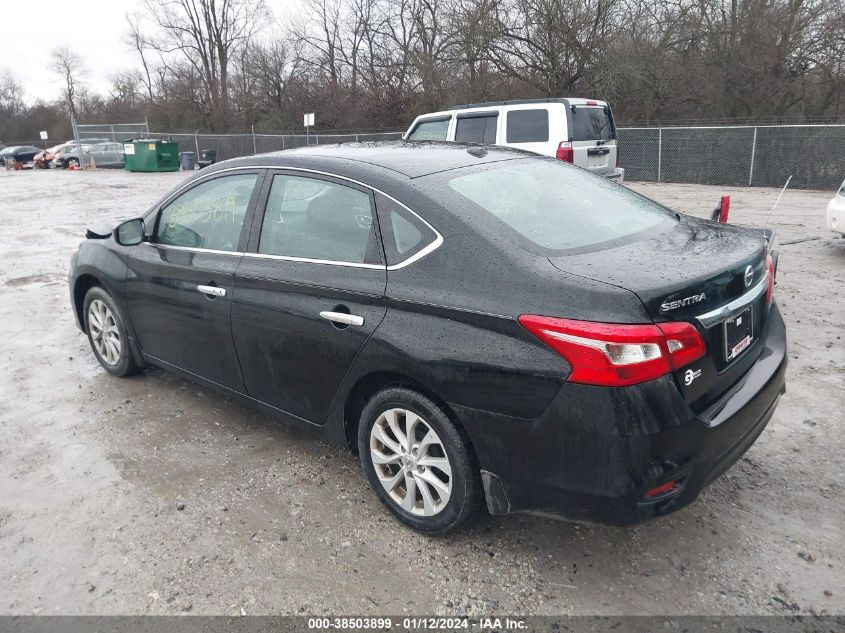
{"x": 43, "y": 159}
{"x": 836, "y": 212}
{"x": 207, "y": 157}
{"x": 104, "y": 154}
{"x": 477, "y": 324}
{"x": 19, "y": 157}
{"x": 577, "y": 131}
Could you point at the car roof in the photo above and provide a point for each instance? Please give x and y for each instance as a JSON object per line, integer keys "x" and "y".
{"x": 574, "y": 101}
{"x": 408, "y": 158}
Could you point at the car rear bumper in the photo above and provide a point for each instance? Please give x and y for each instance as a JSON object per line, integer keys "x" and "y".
{"x": 618, "y": 174}
{"x": 595, "y": 452}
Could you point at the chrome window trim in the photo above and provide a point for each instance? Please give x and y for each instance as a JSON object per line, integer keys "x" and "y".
{"x": 192, "y": 249}
{"x": 308, "y": 260}
{"x": 709, "y": 319}
{"x": 432, "y": 246}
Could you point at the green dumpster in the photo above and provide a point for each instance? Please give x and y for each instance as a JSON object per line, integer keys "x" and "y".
{"x": 151, "y": 155}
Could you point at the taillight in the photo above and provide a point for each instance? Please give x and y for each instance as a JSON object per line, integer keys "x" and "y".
{"x": 617, "y": 153}
{"x": 617, "y": 354}
{"x": 565, "y": 152}
{"x": 770, "y": 271}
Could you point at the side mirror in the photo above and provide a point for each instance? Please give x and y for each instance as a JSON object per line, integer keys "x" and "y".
{"x": 130, "y": 233}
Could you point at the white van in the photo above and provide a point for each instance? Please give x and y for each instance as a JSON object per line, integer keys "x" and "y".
{"x": 579, "y": 131}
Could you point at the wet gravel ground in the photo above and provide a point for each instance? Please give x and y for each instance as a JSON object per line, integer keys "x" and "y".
{"x": 153, "y": 495}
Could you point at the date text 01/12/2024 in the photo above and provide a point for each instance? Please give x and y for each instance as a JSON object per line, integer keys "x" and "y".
{"x": 417, "y": 623}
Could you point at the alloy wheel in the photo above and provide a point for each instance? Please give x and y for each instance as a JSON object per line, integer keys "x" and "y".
{"x": 411, "y": 463}
{"x": 104, "y": 332}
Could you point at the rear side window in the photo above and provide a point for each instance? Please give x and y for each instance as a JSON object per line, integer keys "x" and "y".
{"x": 528, "y": 126}
{"x": 404, "y": 234}
{"x": 318, "y": 219}
{"x": 209, "y": 215}
{"x": 550, "y": 205}
{"x": 430, "y": 131}
{"x": 591, "y": 124}
{"x": 476, "y": 129}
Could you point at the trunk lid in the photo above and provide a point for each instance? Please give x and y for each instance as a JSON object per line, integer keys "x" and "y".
{"x": 688, "y": 272}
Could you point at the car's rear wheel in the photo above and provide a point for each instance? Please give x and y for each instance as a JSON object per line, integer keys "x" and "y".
{"x": 418, "y": 461}
{"x": 104, "y": 324}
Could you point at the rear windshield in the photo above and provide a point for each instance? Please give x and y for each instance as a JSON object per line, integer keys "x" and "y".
{"x": 591, "y": 124}
{"x": 553, "y": 208}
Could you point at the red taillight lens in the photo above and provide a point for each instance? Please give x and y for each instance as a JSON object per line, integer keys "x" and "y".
{"x": 617, "y": 153}
{"x": 565, "y": 152}
{"x": 770, "y": 271}
{"x": 614, "y": 354}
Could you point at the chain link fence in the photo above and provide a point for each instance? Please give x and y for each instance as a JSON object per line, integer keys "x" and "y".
{"x": 761, "y": 156}
{"x": 114, "y": 132}
{"x": 236, "y": 145}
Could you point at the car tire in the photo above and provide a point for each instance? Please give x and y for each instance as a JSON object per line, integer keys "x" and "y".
{"x": 105, "y": 325}
{"x": 437, "y": 465}
{"x": 72, "y": 162}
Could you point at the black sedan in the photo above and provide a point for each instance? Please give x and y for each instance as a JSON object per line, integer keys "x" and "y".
{"x": 19, "y": 157}
{"x": 479, "y": 324}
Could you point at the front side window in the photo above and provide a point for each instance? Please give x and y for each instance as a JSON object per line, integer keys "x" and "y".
{"x": 209, "y": 215}
{"x": 430, "y": 130}
{"x": 318, "y": 219}
{"x": 528, "y": 126}
{"x": 476, "y": 129}
{"x": 550, "y": 206}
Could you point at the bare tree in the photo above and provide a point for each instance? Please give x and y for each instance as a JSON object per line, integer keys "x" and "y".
{"x": 68, "y": 65}
{"x": 206, "y": 35}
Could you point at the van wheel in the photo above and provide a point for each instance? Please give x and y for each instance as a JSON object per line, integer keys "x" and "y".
{"x": 418, "y": 461}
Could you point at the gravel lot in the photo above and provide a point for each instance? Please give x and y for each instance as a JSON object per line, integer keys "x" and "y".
{"x": 152, "y": 495}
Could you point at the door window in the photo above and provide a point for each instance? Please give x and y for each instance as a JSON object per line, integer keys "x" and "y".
{"x": 476, "y": 129}
{"x": 317, "y": 219}
{"x": 528, "y": 126}
{"x": 430, "y": 130}
{"x": 209, "y": 215}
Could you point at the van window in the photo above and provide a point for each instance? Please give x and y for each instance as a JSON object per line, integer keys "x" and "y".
{"x": 436, "y": 130}
{"x": 528, "y": 126}
{"x": 591, "y": 124}
{"x": 477, "y": 129}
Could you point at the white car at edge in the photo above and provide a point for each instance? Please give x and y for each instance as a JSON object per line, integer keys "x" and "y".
{"x": 836, "y": 212}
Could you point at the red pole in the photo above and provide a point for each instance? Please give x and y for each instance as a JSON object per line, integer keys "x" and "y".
{"x": 724, "y": 207}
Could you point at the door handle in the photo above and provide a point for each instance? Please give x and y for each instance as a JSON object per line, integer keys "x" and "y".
{"x": 212, "y": 291}
{"x": 342, "y": 317}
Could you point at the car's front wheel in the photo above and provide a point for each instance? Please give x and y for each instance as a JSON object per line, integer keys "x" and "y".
{"x": 107, "y": 333}
{"x": 72, "y": 162}
{"x": 418, "y": 461}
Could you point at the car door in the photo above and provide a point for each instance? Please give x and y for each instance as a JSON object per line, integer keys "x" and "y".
{"x": 100, "y": 154}
{"x": 309, "y": 291}
{"x": 179, "y": 283}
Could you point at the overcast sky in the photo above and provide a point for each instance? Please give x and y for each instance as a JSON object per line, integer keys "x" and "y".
{"x": 29, "y": 29}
